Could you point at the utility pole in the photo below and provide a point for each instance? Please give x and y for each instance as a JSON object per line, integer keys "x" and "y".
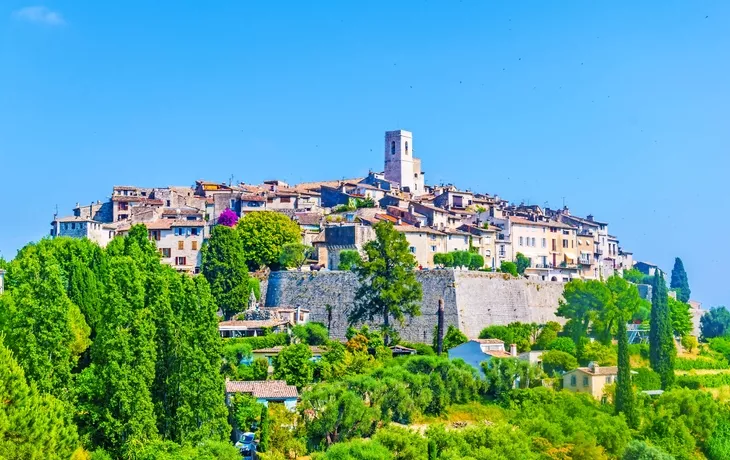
{"x": 440, "y": 339}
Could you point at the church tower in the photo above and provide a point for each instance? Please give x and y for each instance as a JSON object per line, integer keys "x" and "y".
{"x": 400, "y": 165}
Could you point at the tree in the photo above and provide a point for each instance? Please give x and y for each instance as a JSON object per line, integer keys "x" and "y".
{"x": 581, "y": 300}
{"x": 349, "y": 259}
{"x": 640, "y": 450}
{"x": 403, "y": 443}
{"x": 625, "y": 400}
{"x": 294, "y": 255}
{"x": 547, "y": 334}
{"x": 564, "y": 344}
{"x": 715, "y": 323}
{"x": 32, "y": 425}
{"x": 115, "y": 405}
{"x": 689, "y": 342}
{"x": 228, "y": 218}
{"x": 635, "y": 276}
{"x": 445, "y": 259}
{"x": 293, "y": 364}
{"x": 260, "y": 369}
{"x": 311, "y": 333}
{"x": 522, "y": 263}
{"x": 245, "y": 410}
{"x": 476, "y": 261}
{"x": 508, "y": 267}
{"x": 452, "y": 338}
{"x": 265, "y": 430}
{"x": 556, "y": 361}
{"x": 224, "y": 266}
{"x": 661, "y": 340}
{"x": 681, "y": 317}
{"x": 264, "y": 234}
{"x": 461, "y": 258}
{"x": 388, "y": 284}
{"x": 679, "y": 281}
{"x": 45, "y": 330}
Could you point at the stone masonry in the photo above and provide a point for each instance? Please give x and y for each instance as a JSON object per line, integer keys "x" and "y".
{"x": 472, "y": 300}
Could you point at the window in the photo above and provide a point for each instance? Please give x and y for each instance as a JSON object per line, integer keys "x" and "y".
{"x": 194, "y": 231}
{"x": 285, "y": 199}
{"x": 544, "y": 242}
{"x": 608, "y": 379}
{"x": 432, "y": 236}
{"x": 123, "y": 206}
{"x": 194, "y": 245}
{"x": 572, "y": 380}
{"x": 392, "y": 147}
{"x": 566, "y": 232}
{"x": 412, "y": 249}
{"x": 433, "y": 248}
{"x": 520, "y": 241}
{"x": 585, "y": 381}
{"x": 488, "y": 253}
{"x": 572, "y": 244}
{"x": 180, "y": 245}
{"x": 565, "y": 243}
{"x": 165, "y": 252}
{"x": 168, "y": 203}
{"x": 155, "y": 235}
{"x": 406, "y": 147}
{"x": 533, "y": 242}
{"x": 553, "y": 244}
{"x": 180, "y": 261}
{"x": 73, "y": 226}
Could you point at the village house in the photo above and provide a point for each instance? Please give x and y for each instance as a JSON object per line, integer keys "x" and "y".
{"x": 401, "y": 167}
{"x": 592, "y": 379}
{"x": 253, "y": 328}
{"x": 483, "y": 240}
{"x": 265, "y": 391}
{"x": 423, "y": 243}
{"x": 83, "y": 227}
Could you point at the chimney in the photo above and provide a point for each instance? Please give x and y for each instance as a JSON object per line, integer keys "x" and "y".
{"x": 590, "y": 217}
{"x": 513, "y": 350}
{"x": 593, "y": 366}
{"x": 440, "y": 331}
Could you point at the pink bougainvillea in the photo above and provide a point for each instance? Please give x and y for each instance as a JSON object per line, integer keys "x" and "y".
{"x": 228, "y": 218}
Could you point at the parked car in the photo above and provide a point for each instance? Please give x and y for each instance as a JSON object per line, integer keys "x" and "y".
{"x": 247, "y": 446}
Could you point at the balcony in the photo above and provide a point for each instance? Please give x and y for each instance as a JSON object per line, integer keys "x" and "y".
{"x": 584, "y": 262}
{"x": 598, "y": 251}
{"x": 542, "y": 266}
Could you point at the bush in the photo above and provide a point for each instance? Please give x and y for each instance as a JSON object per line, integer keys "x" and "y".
{"x": 689, "y": 342}
{"x": 684, "y": 364}
{"x": 445, "y": 259}
{"x": 646, "y": 379}
{"x": 695, "y": 382}
{"x": 602, "y": 354}
{"x": 557, "y": 362}
{"x": 312, "y": 333}
{"x": 475, "y": 261}
{"x": 639, "y": 349}
{"x": 349, "y": 259}
{"x": 720, "y": 345}
{"x": 508, "y": 267}
{"x": 564, "y": 344}
{"x": 421, "y": 348}
{"x": 640, "y": 450}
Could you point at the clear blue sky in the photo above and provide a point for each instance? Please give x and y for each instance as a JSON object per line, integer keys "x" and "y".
{"x": 619, "y": 107}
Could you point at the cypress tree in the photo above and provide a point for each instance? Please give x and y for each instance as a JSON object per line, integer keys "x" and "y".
{"x": 265, "y": 432}
{"x": 624, "y": 392}
{"x": 224, "y": 266}
{"x": 679, "y": 281}
{"x": 661, "y": 340}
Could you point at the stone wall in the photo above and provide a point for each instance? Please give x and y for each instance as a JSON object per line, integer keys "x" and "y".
{"x": 472, "y": 300}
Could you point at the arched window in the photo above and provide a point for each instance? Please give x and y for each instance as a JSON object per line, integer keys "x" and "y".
{"x": 392, "y": 148}
{"x": 406, "y": 147}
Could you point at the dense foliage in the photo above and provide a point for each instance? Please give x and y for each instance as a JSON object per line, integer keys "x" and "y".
{"x": 263, "y": 236}
{"x": 679, "y": 281}
{"x": 662, "y": 351}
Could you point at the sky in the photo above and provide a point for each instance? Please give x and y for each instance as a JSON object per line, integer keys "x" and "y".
{"x": 617, "y": 109}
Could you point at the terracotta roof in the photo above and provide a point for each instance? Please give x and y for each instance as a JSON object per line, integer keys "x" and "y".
{"x": 181, "y": 211}
{"x": 430, "y": 207}
{"x": 74, "y": 219}
{"x": 188, "y": 223}
{"x": 498, "y": 354}
{"x": 602, "y": 370}
{"x": 308, "y": 218}
{"x": 488, "y": 341}
{"x": 412, "y": 229}
{"x": 328, "y": 183}
{"x": 252, "y": 198}
{"x": 540, "y": 223}
{"x": 128, "y": 199}
{"x": 264, "y": 389}
{"x": 386, "y": 217}
{"x": 162, "y": 224}
{"x": 250, "y": 324}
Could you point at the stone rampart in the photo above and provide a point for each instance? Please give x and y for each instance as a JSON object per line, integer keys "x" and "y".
{"x": 472, "y": 300}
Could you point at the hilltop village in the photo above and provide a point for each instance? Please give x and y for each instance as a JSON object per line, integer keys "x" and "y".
{"x": 339, "y": 215}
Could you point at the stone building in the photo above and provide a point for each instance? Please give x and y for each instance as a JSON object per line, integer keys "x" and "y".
{"x": 83, "y": 227}
{"x": 401, "y": 167}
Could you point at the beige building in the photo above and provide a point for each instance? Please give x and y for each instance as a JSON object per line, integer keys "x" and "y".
{"x": 484, "y": 240}
{"x": 82, "y": 227}
{"x": 178, "y": 241}
{"x": 423, "y": 243}
{"x": 592, "y": 379}
{"x": 587, "y": 266}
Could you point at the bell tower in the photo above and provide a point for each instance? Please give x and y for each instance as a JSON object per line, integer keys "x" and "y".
{"x": 399, "y": 159}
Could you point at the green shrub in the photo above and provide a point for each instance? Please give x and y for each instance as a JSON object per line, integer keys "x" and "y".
{"x": 684, "y": 364}
{"x": 695, "y": 382}
{"x": 564, "y": 344}
{"x": 646, "y": 379}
